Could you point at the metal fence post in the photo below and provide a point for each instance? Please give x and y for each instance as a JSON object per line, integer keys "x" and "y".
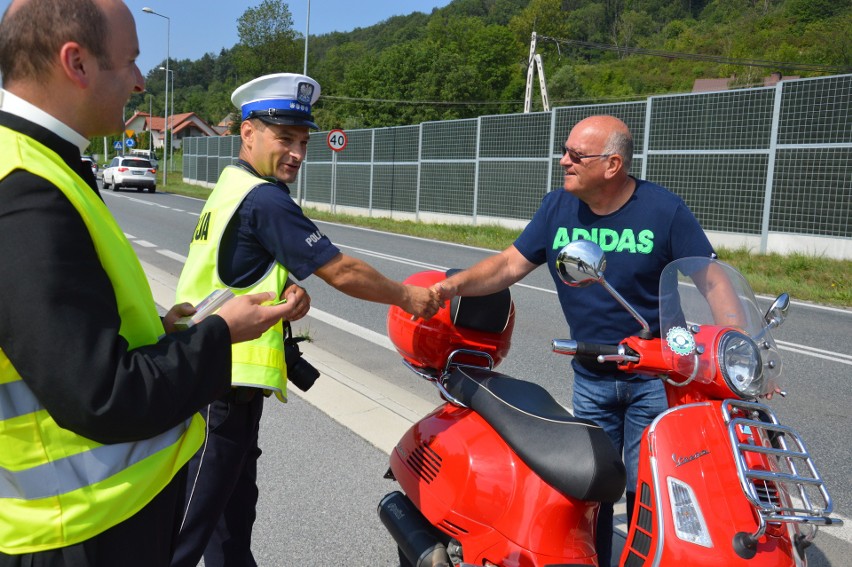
{"x": 299, "y": 181}
{"x": 647, "y": 138}
{"x": 372, "y": 169}
{"x": 550, "y": 151}
{"x": 475, "y": 204}
{"x": 419, "y": 170}
{"x": 770, "y": 170}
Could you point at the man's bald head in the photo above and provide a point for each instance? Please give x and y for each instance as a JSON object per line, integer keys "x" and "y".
{"x": 613, "y": 134}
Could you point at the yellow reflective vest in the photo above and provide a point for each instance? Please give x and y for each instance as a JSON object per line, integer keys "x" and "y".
{"x": 258, "y": 363}
{"x": 58, "y": 488}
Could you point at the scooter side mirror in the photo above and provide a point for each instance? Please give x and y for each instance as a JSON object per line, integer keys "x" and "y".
{"x": 583, "y": 262}
{"x": 580, "y": 263}
{"x": 777, "y": 312}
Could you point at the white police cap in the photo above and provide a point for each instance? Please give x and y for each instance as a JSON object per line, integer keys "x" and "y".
{"x": 281, "y": 98}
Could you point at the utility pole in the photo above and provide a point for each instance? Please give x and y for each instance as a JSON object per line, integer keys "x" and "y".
{"x": 307, "y": 32}
{"x": 124, "y": 126}
{"x": 148, "y": 10}
{"x": 535, "y": 58}
{"x": 150, "y": 114}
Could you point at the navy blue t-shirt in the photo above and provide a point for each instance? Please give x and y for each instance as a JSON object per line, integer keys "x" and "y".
{"x": 269, "y": 226}
{"x": 653, "y": 228}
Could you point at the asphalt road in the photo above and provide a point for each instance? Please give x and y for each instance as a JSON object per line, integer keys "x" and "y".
{"x": 321, "y": 482}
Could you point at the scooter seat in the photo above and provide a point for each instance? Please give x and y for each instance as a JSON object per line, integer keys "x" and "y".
{"x": 573, "y": 455}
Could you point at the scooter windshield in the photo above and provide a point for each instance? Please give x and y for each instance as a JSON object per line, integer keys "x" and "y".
{"x": 704, "y": 291}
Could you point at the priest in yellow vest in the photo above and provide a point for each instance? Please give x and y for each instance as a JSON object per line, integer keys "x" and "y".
{"x": 251, "y": 237}
{"x": 98, "y": 400}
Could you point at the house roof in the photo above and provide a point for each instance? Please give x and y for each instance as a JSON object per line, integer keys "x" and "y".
{"x": 709, "y": 85}
{"x": 176, "y": 122}
{"x": 724, "y": 83}
{"x": 137, "y": 115}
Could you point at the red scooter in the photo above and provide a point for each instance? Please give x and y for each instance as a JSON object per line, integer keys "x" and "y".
{"x": 502, "y": 475}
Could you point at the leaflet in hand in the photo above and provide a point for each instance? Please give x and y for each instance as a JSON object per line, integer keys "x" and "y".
{"x": 208, "y": 306}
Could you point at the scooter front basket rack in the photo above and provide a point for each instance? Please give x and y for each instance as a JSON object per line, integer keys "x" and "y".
{"x": 776, "y": 472}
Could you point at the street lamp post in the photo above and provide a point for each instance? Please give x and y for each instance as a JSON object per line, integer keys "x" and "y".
{"x": 172, "y": 106}
{"x": 305, "y": 72}
{"x": 307, "y": 32}
{"x": 150, "y": 114}
{"x": 166, "y": 113}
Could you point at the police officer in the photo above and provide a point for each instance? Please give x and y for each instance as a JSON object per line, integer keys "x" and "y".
{"x": 98, "y": 414}
{"x": 251, "y": 237}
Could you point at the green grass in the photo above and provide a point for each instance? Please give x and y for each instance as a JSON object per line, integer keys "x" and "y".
{"x": 805, "y": 277}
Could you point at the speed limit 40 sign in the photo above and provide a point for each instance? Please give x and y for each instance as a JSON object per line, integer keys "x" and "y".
{"x": 336, "y": 140}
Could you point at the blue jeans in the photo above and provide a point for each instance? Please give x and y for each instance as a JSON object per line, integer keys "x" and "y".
{"x": 623, "y": 405}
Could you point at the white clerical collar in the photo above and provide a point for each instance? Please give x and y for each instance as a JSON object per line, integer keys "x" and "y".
{"x": 19, "y": 107}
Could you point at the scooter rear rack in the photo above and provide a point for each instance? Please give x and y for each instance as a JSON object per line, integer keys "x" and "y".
{"x": 786, "y": 486}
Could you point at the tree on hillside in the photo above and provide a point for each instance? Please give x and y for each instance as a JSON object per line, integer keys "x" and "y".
{"x": 332, "y": 68}
{"x": 489, "y": 11}
{"x": 268, "y": 43}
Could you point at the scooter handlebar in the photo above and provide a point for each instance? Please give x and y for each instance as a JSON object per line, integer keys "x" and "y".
{"x": 571, "y": 347}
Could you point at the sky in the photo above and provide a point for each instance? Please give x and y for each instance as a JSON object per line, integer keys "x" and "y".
{"x": 206, "y": 26}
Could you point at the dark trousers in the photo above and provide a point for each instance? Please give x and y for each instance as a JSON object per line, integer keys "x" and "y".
{"x": 221, "y": 486}
{"x": 146, "y": 539}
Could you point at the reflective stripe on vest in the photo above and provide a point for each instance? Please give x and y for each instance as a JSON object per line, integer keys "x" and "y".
{"x": 16, "y": 399}
{"x": 58, "y": 488}
{"x": 258, "y": 363}
{"x": 78, "y": 471}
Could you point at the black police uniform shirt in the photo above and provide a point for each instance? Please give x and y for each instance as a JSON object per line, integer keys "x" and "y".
{"x": 269, "y": 226}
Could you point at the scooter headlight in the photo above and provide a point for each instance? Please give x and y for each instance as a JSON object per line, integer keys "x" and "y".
{"x": 740, "y": 362}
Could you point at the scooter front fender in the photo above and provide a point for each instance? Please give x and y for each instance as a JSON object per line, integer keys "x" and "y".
{"x": 687, "y": 469}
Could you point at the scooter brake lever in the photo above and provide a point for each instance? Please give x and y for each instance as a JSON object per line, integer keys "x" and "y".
{"x": 617, "y": 358}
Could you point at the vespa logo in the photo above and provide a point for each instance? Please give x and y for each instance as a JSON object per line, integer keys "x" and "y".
{"x": 683, "y": 460}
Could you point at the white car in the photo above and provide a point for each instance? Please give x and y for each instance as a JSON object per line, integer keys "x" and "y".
{"x": 129, "y": 171}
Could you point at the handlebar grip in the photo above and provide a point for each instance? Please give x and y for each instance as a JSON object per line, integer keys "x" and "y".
{"x": 571, "y": 347}
{"x": 592, "y": 349}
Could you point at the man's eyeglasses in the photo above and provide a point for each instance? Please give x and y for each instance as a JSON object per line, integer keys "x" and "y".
{"x": 577, "y": 157}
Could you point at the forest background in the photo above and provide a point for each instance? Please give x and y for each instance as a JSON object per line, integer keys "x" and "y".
{"x": 470, "y": 58}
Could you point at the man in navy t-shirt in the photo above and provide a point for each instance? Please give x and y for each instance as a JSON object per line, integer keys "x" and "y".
{"x": 641, "y": 227}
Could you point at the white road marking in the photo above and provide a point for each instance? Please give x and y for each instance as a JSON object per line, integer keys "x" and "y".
{"x": 173, "y": 255}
